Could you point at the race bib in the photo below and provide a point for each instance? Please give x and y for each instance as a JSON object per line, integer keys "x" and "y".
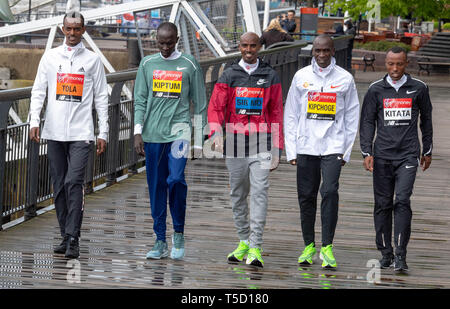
{"x": 167, "y": 84}
{"x": 69, "y": 87}
{"x": 397, "y": 112}
{"x": 249, "y": 101}
{"x": 321, "y": 106}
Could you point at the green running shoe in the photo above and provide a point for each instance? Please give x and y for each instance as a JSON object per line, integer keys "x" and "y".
{"x": 177, "y": 252}
{"x": 307, "y": 255}
{"x": 326, "y": 255}
{"x": 158, "y": 251}
{"x": 254, "y": 257}
{"x": 240, "y": 252}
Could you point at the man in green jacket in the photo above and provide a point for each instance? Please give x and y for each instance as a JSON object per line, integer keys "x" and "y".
{"x": 166, "y": 83}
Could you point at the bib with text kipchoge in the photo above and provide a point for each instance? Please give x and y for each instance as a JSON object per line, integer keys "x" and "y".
{"x": 69, "y": 87}
{"x": 167, "y": 84}
{"x": 321, "y": 105}
{"x": 397, "y": 112}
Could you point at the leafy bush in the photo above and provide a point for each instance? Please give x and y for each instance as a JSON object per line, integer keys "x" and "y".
{"x": 381, "y": 45}
{"x": 446, "y": 26}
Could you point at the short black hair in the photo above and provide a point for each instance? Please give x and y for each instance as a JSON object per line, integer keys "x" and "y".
{"x": 397, "y": 50}
{"x": 292, "y": 11}
{"x": 167, "y": 25}
{"x": 74, "y": 14}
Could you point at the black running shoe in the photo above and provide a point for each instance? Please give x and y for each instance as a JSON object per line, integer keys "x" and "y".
{"x": 386, "y": 261}
{"x": 62, "y": 247}
{"x": 73, "y": 249}
{"x": 400, "y": 263}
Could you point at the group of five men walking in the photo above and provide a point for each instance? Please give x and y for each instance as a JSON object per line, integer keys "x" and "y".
{"x": 320, "y": 122}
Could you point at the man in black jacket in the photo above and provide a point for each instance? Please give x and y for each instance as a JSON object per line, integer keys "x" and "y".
{"x": 289, "y": 24}
{"x": 392, "y": 107}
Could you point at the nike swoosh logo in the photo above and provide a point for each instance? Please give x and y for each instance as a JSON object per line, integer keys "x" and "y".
{"x": 409, "y": 92}
{"x": 409, "y": 166}
{"x": 332, "y": 87}
{"x": 179, "y": 69}
{"x": 261, "y": 81}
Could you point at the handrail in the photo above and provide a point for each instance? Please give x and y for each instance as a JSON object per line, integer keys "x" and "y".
{"x": 25, "y": 92}
{"x": 24, "y": 181}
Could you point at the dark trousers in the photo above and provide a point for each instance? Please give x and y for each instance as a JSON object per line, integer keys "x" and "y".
{"x": 310, "y": 171}
{"x": 165, "y": 164}
{"x": 389, "y": 178}
{"x": 68, "y": 162}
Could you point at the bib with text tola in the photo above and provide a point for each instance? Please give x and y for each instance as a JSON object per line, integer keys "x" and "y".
{"x": 321, "y": 105}
{"x": 249, "y": 101}
{"x": 397, "y": 112}
{"x": 69, "y": 87}
{"x": 167, "y": 84}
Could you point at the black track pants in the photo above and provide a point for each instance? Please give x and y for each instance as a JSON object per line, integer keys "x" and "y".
{"x": 310, "y": 171}
{"x": 68, "y": 162}
{"x": 389, "y": 178}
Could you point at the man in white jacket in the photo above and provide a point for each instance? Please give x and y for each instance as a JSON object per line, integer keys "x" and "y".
{"x": 74, "y": 79}
{"x": 320, "y": 124}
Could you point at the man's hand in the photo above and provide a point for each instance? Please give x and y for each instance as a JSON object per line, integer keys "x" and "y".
{"x": 101, "y": 146}
{"x": 293, "y": 162}
{"x": 218, "y": 143}
{"x": 34, "y": 134}
{"x": 368, "y": 163}
{"x": 425, "y": 162}
{"x": 275, "y": 162}
{"x": 139, "y": 144}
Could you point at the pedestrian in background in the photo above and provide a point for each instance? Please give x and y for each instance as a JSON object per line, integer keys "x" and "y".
{"x": 274, "y": 34}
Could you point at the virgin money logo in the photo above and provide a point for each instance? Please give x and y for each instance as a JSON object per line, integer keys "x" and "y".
{"x": 241, "y": 92}
{"x": 321, "y": 97}
{"x": 158, "y": 74}
{"x": 313, "y": 96}
{"x": 397, "y": 103}
{"x": 244, "y": 92}
{"x": 167, "y": 75}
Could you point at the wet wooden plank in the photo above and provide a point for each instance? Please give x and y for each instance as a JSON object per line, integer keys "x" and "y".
{"x": 117, "y": 233}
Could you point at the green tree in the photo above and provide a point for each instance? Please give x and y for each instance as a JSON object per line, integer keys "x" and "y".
{"x": 421, "y": 9}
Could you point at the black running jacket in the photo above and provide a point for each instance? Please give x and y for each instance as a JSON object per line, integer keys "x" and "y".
{"x": 394, "y": 116}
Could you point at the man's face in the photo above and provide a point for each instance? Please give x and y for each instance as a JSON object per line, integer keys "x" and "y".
{"x": 322, "y": 51}
{"x": 166, "y": 41}
{"x": 249, "y": 47}
{"x": 291, "y": 15}
{"x": 396, "y": 64}
{"x": 73, "y": 30}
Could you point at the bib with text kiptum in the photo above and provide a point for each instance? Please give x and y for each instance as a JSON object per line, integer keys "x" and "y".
{"x": 167, "y": 84}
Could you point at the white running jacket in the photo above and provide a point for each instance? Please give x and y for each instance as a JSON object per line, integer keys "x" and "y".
{"x": 74, "y": 79}
{"x": 321, "y": 113}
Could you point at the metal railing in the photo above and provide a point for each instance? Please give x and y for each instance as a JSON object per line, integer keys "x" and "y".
{"x": 24, "y": 172}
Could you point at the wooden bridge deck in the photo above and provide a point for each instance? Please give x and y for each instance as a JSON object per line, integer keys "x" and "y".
{"x": 117, "y": 233}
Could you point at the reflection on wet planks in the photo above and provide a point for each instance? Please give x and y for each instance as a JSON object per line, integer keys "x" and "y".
{"x": 117, "y": 233}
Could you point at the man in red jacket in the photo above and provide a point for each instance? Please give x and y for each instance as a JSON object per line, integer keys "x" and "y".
{"x": 248, "y": 98}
